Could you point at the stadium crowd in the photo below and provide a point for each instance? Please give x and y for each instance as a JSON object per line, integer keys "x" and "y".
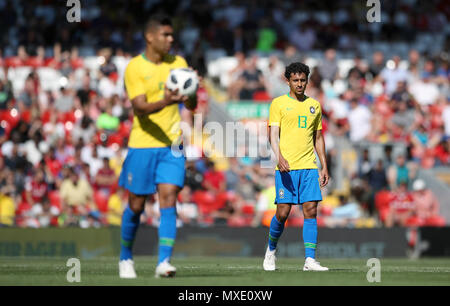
{"x": 65, "y": 117}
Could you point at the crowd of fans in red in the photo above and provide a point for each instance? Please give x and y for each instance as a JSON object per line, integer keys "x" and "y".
{"x": 62, "y": 149}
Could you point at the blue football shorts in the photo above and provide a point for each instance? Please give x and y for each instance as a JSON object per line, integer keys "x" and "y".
{"x": 145, "y": 168}
{"x": 297, "y": 186}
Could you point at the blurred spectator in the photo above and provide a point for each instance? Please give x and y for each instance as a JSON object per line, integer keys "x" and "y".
{"x": 422, "y": 142}
{"x": 193, "y": 178}
{"x": 364, "y": 165}
{"x": 377, "y": 181}
{"x": 401, "y": 206}
{"x": 359, "y": 119}
{"x": 232, "y": 174}
{"x": 213, "y": 180}
{"x": 357, "y": 73}
{"x": 274, "y": 78}
{"x": 290, "y": 55}
{"x": 7, "y": 209}
{"x": 105, "y": 180}
{"x": 116, "y": 204}
{"x": 303, "y": 37}
{"x": 236, "y": 82}
{"x": 377, "y": 177}
{"x": 346, "y": 214}
{"x": 265, "y": 207}
{"x": 398, "y": 173}
{"x": 426, "y": 204}
{"x": 267, "y": 36}
{"x": 187, "y": 210}
{"x": 107, "y": 121}
{"x": 42, "y": 214}
{"x": 6, "y": 95}
{"x": 393, "y": 74}
{"x": 377, "y": 64}
{"x": 84, "y": 129}
{"x": 424, "y": 90}
{"x": 328, "y": 68}
{"x": 403, "y": 122}
{"x": 442, "y": 152}
{"x": 65, "y": 102}
{"x": 77, "y": 198}
{"x": 253, "y": 80}
{"x": 446, "y": 118}
{"x": 36, "y": 188}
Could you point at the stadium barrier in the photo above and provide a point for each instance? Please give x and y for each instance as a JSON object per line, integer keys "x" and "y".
{"x": 215, "y": 241}
{"x": 434, "y": 241}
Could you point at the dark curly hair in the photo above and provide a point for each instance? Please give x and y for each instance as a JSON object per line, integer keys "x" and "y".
{"x": 296, "y": 68}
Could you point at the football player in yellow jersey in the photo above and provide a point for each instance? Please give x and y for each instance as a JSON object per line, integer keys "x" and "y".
{"x": 150, "y": 165}
{"x": 295, "y": 122}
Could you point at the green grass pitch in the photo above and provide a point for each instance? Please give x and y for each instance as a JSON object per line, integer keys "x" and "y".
{"x": 226, "y": 271}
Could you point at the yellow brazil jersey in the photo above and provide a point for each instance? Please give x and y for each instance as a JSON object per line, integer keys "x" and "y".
{"x": 162, "y": 128}
{"x": 298, "y": 122}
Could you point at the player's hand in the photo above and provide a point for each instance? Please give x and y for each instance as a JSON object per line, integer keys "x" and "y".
{"x": 324, "y": 177}
{"x": 283, "y": 164}
{"x": 172, "y": 97}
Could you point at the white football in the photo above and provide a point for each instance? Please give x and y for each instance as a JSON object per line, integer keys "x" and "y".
{"x": 183, "y": 79}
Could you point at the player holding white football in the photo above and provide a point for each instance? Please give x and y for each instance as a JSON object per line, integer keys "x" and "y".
{"x": 150, "y": 165}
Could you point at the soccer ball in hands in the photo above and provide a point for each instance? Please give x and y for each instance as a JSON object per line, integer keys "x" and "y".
{"x": 183, "y": 79}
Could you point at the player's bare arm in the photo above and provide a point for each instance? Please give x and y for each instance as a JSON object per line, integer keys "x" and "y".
{"x": 319, "y": 145}
{"x": 141, "y": 107}
{"x": 274, "y": 139}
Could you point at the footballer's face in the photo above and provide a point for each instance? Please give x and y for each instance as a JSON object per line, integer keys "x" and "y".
{"x": 297, "y": 83}
{"x": 160, "y": 38}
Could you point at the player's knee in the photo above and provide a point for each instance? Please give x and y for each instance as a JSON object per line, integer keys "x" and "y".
{"x": 168, "y": 199}
{"x": 310, "y": 213}
{"x": 137, "y": 203}
{"x": 282, "y": 216}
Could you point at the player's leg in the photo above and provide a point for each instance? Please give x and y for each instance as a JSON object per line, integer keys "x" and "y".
{"x": 310, "y": 229}
{"x": 277, "y": 224}
{"x": 130, "y": 224}
{"x": 275, "y": 231}
{"x": 138, "y": 177}
{"x": 309, "y": 196}
{"x": 170, "y": 174}
{"x": 284, "y": 185}
{"x": 167, "y": 229}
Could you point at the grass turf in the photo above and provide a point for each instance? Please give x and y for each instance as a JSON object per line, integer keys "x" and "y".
{"x": 225, "y": 271}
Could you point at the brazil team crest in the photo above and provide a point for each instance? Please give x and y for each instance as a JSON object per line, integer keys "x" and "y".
{"x": 281, "y": 193}
{"x": 312, "y": 110}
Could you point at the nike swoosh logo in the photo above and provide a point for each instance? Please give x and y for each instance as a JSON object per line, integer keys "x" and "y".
{"x": 289, "y": 108}
{"x": 147, "y": 78}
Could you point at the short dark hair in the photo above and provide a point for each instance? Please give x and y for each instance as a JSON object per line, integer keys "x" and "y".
{"x": 296, "y": 67}
{"x": 156, "y": 21}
